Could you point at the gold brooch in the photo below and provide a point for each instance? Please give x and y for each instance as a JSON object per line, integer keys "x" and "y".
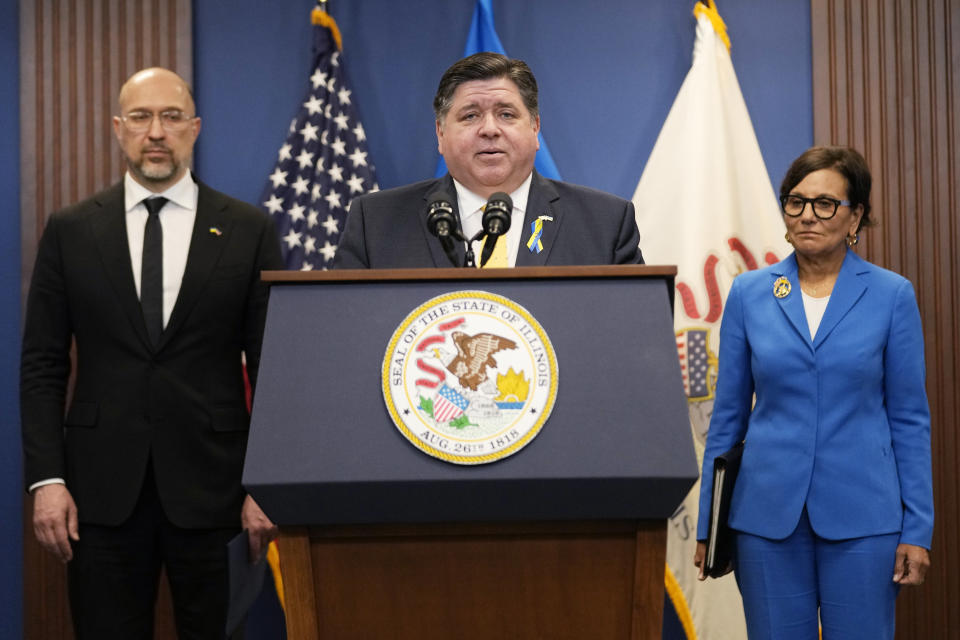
{"x": 781, "y": 288}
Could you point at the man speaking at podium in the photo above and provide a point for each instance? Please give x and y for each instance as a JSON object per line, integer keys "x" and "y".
{"x": 487, "y": 120}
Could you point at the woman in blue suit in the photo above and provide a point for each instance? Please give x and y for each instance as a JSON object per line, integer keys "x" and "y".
{"x": 833, "y": 506}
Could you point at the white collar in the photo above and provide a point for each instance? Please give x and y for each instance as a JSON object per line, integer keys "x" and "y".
{"x": 182, "y": 193}
{"x": 469, "y": 203}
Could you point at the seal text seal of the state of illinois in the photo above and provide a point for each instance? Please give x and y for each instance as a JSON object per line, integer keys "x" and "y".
{"x": 469, "y": 377}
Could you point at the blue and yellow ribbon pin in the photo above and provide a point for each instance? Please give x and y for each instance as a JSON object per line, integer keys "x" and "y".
{"x": 536, "y": 233}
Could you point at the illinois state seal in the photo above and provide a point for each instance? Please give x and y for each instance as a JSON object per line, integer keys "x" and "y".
{"x": 469, "y": 377}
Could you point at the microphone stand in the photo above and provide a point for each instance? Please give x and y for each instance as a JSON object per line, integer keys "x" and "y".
{"x": 469, "y": 260}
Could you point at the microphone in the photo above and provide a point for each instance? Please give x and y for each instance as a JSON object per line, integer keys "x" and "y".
{"x": 442, "y": 223}
{"x": 440, "y": 219}
{"x": 496, "y": 222}
{"x": 497, "y": 214}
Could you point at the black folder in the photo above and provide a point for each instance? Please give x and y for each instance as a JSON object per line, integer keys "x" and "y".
{"x": 719, "y": 537}
{"x": 246, "y": 580}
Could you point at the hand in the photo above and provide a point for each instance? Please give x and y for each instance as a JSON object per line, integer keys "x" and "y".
{"x": 261, "y": 529}
{"x": 55, "y": 520}
{"x": 698, "y": 559}
{"x": 911, "y": 564}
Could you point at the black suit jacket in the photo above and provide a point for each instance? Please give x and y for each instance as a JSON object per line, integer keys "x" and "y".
{"x": 388, "y": 229}
{"x": 182, "y": 403}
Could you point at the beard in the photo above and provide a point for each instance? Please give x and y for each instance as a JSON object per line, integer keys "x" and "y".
{"x": 154, "y": 171}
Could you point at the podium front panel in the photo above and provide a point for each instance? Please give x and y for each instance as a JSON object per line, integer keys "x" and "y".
{"x": 323, "y": 448}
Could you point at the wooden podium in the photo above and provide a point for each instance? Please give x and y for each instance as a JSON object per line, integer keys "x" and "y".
{"x": 564, "y": 539}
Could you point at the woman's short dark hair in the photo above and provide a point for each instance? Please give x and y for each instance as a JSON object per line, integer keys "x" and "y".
{"x": 844, "y": 160}
{"x": 485, "y": 66}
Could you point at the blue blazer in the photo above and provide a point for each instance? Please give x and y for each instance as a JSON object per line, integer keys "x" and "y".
{"x": 841, "y": 424}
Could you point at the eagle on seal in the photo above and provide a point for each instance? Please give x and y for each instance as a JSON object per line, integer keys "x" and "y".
{"x": 474, "y": 355}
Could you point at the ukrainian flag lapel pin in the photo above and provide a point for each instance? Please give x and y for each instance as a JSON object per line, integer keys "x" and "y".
{"x": 216, "y": 231}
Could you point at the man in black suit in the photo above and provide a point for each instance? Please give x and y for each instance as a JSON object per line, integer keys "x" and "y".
{"x": 487, "y": 122}
{"x": 157, "y": 280}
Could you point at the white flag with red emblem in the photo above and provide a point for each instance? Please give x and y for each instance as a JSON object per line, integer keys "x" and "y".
{"x": 706, "y": 204}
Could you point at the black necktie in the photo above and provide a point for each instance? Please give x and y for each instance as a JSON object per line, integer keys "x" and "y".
{"x": 151, "y": 273}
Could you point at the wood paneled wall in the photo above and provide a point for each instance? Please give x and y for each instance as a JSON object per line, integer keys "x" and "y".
{"x": 886, "y": 80}
{"x": 74, "y": 56}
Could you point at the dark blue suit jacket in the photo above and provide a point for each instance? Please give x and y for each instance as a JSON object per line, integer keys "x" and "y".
{"x": 388, "y": 229}
{"x": 841, "y": 423}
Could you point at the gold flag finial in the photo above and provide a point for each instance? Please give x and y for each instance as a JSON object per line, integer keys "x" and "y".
{"x": 710, "y": 11}
{"x": 321, "y": 18}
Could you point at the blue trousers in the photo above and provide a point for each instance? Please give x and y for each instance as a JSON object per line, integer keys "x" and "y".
{"x": 784, "y": 583}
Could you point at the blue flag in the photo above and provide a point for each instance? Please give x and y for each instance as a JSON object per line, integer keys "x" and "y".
{"x": 324, "y": 162}
{"x": 483, "y": 37}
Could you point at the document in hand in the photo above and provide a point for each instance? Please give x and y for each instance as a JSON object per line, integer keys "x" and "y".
{"x": 719, "y": 537}
{"x": 246, "y": 580}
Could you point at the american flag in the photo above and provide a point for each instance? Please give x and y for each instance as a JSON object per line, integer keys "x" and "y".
{"x": 324, "y": 162}
{"x": 692, "y": 345}
{"x": 448, "y": 404}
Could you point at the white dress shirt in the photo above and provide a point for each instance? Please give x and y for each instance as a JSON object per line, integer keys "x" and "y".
{"x": 470, "y": 206}
{"x": 176, "y": 219}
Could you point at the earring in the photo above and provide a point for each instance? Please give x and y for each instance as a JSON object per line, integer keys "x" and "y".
{"x": 786, "y": 237}
{"x": 853, "y": 239}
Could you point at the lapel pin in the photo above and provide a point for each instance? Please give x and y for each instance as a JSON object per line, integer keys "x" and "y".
{"x": 216, "y": 231}
{"x": 535, "y": 244}
{"x": 781, "y": 288}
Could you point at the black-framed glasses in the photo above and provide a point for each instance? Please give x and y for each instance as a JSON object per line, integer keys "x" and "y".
{"x": 823, "y": 207}
{"x": 170, "y": 120}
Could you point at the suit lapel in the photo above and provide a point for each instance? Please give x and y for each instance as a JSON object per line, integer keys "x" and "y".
{"x": 846, "y": 291}
{"x": 203, "y": 255}
{"x": 440, "y": 259}
{"x": 792, "y": 303}
{"x": 542, "y": 201}
{"x": 109, "y": 227}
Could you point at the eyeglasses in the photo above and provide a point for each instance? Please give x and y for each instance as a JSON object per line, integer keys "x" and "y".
{"x": 823, "y": 207}
{"x": 171, "y": 120}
